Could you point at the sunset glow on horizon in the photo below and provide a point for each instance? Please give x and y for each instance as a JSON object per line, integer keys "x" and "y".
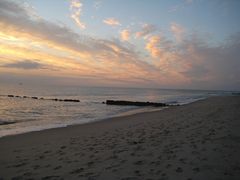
{"x": 178, "y": 44}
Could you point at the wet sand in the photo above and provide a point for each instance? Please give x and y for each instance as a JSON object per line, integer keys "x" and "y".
{"x": 200, "y": 140}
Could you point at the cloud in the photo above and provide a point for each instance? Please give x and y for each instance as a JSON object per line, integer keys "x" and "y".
{"x": 13, "y": 18}
{"x": 76, "y": 10}
{"x": 25, "y": 64}
{"x": 197, "y": 63}
{"x": 178, "y": 31}
{"x": 147, "y": 29}
{"x": 125, "y": 35}
{"x": 215, "y": 64}
{"x": 112, "y": 22}
{"x": 152, "y": 46}
{"x": 71, "y": 53}
{"x": 180, "y": 6}
{"x": 56, "y": 51}
{"x": 158, "y": 45}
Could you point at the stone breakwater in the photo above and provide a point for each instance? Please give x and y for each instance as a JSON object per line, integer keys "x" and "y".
{"x": 135, "y": 103}
{"x": 41, "y": 98}
{"x": 108, "y": 102}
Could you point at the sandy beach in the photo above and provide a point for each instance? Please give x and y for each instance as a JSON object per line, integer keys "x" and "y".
{"x": 200, "y": 140}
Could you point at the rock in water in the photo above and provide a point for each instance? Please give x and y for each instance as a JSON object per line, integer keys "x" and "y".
{"x": 71, "y": 100}
{"x": 132, "y": 103}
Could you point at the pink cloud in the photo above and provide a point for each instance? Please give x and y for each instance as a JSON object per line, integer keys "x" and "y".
{"x": 146, "y": 30}
{"x": 178, "y": 31}
{"x": 125, "y": 35}
{"x": 76, "y": 10}
{"x": 112, "y": 22}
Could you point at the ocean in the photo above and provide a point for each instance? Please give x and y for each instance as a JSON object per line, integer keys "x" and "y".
{"x": 21, "y": 115}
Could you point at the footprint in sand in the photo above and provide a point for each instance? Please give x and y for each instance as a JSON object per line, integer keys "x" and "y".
{"x": 20, "y": 165}
{"x": 168, "y": 166}
{"x": 17, "y": 178}
{"x": 138, "y": 162}
{"x": 57, "y": 167}
{"x": 47, "y": 166}
{"x": 46, "y": 152}
{"x": 27, "y": 174}
{"x": 179, "y": 170}
{"x": 156, "y": 163}
{"x": 196, "y": 169}
{"x": 50, "y": 177}
{"x": 17, "y": 150}
{"x": 123, "y": 161}
{"x": 63, "y": 147}
{"x": 36, "y": 167}
{"x": 130, "y": 178}
{"x": 77, "y": 171}
{"x": 132, "y": 154}
{"x": 137, "y": 172}
{"x": 41, "y": 157}
{"x": 90, "y": 163}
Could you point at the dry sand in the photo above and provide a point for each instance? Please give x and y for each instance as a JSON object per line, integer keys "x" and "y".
{"x": 195, "y": 141}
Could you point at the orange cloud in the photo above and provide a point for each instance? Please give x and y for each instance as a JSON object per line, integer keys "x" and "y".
{"x": 76, "y": 9}
{"x": 125, "y": 35}
{"x": 152, "y": 46}
{"x": 147, "y": 29}
{"x": 32, "y": 46}
{"x": 178, "y": 31}
{"x": 112, "y": 22}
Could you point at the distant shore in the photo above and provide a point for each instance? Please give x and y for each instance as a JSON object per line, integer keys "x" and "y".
{"x": 200, "y": 140}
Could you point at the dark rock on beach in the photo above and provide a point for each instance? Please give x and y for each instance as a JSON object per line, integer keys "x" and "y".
{"x": 132, "y": 103}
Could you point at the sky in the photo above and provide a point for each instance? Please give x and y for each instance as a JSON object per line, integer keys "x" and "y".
{"x": 183, "y": 44}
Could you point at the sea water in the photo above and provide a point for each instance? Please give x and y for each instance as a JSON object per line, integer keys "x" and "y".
{"x": 27, "y": 114}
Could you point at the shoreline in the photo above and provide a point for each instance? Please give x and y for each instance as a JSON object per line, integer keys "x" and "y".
{"x": 129, "y": 112}
{"x": 195, "y": 141}
{"x": 97, "y": 121}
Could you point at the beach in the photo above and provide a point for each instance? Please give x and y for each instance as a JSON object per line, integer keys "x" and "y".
{"x": 200, "y": 140}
